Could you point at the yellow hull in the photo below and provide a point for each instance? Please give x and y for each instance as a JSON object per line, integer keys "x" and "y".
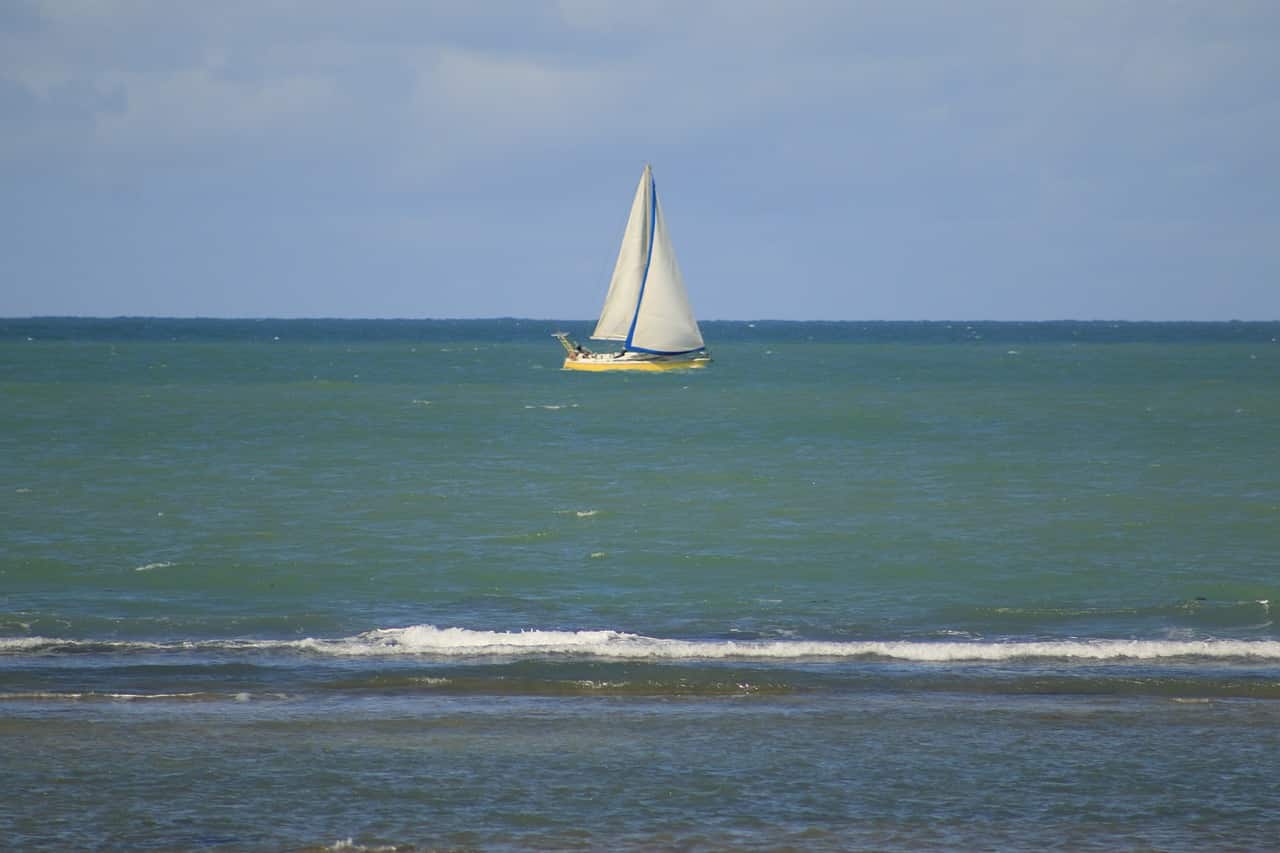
{"x": 580, "y": 359}
{"x": 654, "y": 366}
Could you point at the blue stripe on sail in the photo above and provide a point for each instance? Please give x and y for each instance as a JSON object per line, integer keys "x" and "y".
{"x": 664, "y": 351}
{"x": 644, "y": 280}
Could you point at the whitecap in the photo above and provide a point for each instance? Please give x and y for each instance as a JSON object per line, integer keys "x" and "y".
{"x": 60, "y": 696}
{"x": 463, "y": 642}
{"x": 152, "y": 566}
{"x": 429, "y": 640}
{"x": 352, "y": 844}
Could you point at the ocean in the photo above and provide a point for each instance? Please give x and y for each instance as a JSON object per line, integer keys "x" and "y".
{"x": 407, "y": 585}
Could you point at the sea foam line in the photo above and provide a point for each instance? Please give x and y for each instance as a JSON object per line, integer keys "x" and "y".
{"x": 46, "y": 695}
{"x": 431, "y": 641}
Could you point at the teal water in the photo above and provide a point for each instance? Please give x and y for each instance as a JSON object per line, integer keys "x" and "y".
{"x": 343, "y": 584}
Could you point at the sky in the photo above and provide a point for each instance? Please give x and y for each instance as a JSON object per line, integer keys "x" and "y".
{"x": 816, "y": 159}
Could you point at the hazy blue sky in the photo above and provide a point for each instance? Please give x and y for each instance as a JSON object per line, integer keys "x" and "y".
{"x": 911, "y": 159}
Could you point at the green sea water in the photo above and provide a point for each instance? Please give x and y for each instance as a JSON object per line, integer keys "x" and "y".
{"x": 343, "y": 584}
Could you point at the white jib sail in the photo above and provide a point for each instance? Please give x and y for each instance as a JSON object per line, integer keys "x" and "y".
{"x": 647, "y": 305}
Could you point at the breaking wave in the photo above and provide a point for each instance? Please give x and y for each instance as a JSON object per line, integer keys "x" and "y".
{"x": 434, "y": 642}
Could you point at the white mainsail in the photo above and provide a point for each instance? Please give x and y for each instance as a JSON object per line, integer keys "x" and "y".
{"x": 647, "y": 307}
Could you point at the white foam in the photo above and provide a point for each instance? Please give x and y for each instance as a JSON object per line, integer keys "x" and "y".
{"x": 24, "y": 644}
{"x": 151, "y": 566}
{"x": 42, "y": 695}
{"x": 38, "y": 644}
{"x": 429, "y": 640}
{"x": 352, "y": 844}
{"x": 461, "y": 642}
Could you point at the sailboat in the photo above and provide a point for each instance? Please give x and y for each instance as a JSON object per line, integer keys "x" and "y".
{"x": 646, "y": 308}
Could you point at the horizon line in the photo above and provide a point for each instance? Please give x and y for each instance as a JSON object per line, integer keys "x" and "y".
{"x": 550, "y": 320}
